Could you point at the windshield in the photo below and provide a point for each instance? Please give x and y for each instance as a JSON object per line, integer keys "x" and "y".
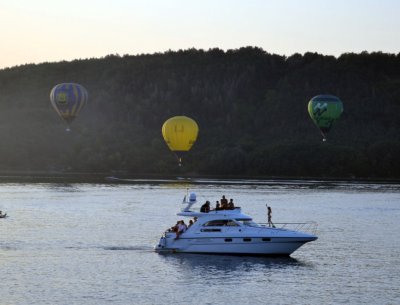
{"x": 247, "y": 222}
{"x": 219, "y": 223}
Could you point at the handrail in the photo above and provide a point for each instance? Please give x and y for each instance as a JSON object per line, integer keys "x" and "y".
{"x": 307, "y": 227}
{"x": 212, "y": 209}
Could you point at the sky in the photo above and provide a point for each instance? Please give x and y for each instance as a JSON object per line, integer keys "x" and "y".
{"x": 54, "y": 30}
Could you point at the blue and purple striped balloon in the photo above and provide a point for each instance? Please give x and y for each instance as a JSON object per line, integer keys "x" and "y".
{"x": 68, "y": 99}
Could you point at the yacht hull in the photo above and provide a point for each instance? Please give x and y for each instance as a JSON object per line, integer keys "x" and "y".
{"x": 234, "y": 246}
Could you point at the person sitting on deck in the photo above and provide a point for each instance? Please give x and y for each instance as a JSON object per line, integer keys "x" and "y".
{"x": 174, "y": 228}
{"x": 181, "y": 228}
{"x": 205, "y": 208}
{"x": 231, "y": 206}
{"x": 217, "y": 206}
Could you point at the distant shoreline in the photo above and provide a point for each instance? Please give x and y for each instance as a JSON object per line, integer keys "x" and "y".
{"x": 107, "y": 177}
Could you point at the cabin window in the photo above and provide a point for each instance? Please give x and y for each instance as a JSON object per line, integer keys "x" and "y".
{"x": 247, "y": 239}
{"x": 220, "y": 223}
{"x": 266, "y": 239}
{"x": 228, "y": 239}
{"x": 247, "y": 222}
{"x": 210, "y": 230}
{"x": 214, "y": 223}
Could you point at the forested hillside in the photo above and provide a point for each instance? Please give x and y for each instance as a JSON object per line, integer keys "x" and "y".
{"x": 251, "y": 107}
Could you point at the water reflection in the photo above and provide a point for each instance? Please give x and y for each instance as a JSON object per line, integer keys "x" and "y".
{"x": 64, "y": 187}
{"x": 229, "y": 263}
{"x": 181, "y": 182}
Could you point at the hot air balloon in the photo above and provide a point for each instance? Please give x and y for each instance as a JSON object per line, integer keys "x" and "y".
{"x": 68, "y": 99}
{"x": 324, "y": 110}
{"x": 180, "y": 133}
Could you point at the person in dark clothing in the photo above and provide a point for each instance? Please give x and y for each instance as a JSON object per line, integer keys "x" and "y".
{"x": 205, "y": 208}
{"x": 270, "y": 224}
{"x": 231, "y": 206}
{"x": 224, "y": 203}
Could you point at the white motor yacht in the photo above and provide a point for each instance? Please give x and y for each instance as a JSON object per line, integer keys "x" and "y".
{"x": 232, "y": 232}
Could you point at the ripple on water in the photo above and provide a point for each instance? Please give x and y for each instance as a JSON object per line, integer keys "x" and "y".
{"x": 93, "y": 244}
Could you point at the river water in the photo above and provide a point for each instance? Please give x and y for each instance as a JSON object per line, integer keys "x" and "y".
{"x": 92, "y": 244}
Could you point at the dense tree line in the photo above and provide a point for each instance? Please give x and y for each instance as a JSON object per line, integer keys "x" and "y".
{"x": 251, "y": 107}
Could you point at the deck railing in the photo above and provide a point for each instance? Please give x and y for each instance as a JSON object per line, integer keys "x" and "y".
{"x": 306, "y": 227}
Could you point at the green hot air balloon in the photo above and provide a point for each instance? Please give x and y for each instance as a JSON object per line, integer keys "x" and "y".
{"x": 324, "y": 110}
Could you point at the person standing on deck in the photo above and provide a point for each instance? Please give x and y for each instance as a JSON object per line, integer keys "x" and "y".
{"x": 270, "y": 224}
{"x": 224, "y": 203}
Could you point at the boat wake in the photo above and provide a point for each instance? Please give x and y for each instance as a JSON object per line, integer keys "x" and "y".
{"x": 130, "y": 248}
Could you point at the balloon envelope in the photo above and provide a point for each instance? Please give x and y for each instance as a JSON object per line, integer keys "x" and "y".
{"x": 68, "y": 99}
{"x": 324, "y": 110}
{"x": 180, "y": 133}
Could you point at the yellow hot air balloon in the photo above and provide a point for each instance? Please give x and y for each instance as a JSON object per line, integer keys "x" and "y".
{"x": 180, "y": 133}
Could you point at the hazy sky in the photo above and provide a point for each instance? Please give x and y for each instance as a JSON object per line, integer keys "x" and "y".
{"x": 34, "y": 31}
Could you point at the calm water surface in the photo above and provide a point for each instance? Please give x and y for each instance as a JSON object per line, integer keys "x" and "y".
{"x": 92, "y": 244}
